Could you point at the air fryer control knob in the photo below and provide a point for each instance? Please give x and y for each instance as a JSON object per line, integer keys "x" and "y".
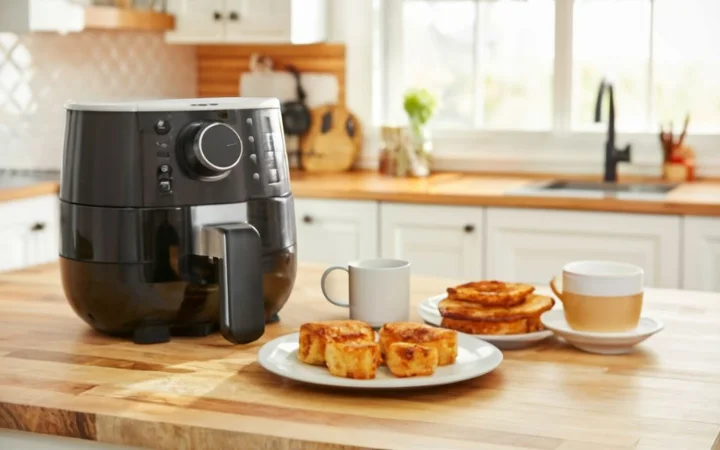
{"x": 215, "y": 148}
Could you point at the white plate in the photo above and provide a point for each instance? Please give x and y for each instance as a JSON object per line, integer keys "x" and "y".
{"x": 429, "y": 312}
{"x": 603, "y": 343}
{"x": 475, "y": 358}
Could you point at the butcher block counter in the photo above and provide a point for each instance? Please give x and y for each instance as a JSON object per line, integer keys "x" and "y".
{"x": 59, "y": 377}
{"x": 698, "y": 198}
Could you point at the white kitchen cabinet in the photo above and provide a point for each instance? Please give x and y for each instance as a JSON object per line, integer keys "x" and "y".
{"x": 29, "y": 232}
{"x": 701, "y": 253}
{"x": 22, "y": 16}
{"x": 444, "y": 241}
{"x": 248, "y": 21}
{"x": 336, "y": 231}
{"x": 532, "y": 245}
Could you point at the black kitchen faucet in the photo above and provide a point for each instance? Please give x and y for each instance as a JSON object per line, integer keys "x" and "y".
{"x": 612, "y": 155}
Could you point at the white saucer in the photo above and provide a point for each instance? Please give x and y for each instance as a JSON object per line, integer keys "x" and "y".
{"x": 603, "y": 343}
{"x": 428, "y": 310}
{"x": 474, "y": 358}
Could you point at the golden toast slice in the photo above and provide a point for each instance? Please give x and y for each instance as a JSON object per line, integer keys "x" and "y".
{"x": 491, "y": 293}
{"x": 518, "y": 326}
{"x": 444, "y": 341}
{"x": 411, "y": 360}
{"x": 533, "y": 306}
{"x": 315, "y": 335}
{"x": 357, "y": 360}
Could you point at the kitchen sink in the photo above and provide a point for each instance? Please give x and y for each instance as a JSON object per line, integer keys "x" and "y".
{"x": 609, "y": 187}
{"x": 591, "y": 189}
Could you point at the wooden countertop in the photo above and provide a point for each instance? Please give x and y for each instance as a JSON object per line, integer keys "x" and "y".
{"x": 698, "y": 198}
{"x": 33, "y": 189}
{"x": 59, "y": 377}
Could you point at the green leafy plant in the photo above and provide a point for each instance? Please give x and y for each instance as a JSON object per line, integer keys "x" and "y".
{"x": 420, "y": 106}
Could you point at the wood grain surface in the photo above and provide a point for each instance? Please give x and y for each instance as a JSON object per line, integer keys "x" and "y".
{"x": 700, "y": 198}
{"x": 57, "y": 376}
{"x": 30, "y": 190}
{"x": 220, "y": 66}
{"x": 127, "y": 19}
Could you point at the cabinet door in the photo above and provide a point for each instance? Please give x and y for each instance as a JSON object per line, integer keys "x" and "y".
{"x": 197, "y": 20}
{"x": 29, "y": 232}
{"x": 335, "y": 231}
{"x": 15, "y": 247}
{"x": 532, "y": 245}
{"x": 444, "y": 241}
{"x": 701, "y": 253}
{"x": 257, "y": 21}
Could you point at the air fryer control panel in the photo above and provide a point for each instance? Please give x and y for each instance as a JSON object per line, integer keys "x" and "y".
{"x": 174, "y": 158}
{"x": 212, "y": 156}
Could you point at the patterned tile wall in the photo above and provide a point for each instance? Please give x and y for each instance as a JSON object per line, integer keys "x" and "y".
{"x": 39, "y": 72}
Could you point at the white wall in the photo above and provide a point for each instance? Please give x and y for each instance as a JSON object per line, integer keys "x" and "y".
{"x": 39, "y": 72}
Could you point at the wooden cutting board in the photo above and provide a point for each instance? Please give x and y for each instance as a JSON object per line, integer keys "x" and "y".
{"x": 333, "y": 142}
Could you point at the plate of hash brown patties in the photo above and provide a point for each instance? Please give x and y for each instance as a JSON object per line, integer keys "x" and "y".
{"x": 504, "y": 314}
{"x": 349, "y": 353}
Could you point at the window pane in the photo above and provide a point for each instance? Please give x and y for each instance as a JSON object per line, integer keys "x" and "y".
{"x": 686, "y": 63}
{"x": 516, "y": 52}
{"x": 438, "y": 42}
{"x": 611, "y": 38}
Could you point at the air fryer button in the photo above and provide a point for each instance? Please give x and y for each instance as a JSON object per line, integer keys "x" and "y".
{"x": 165, "y": 186}
{"x": 248, "y": 121}
{"x": 251, "y": 139}
{"x": 162, "y": 145}
{"x": 273, "y": 176}
{"x": 162, "y": 127}
{"x": 253, "y": 158}
{"x": 256, "y": 176}
{"x": 164, "y": 169}
{"x": 268, "y": 142}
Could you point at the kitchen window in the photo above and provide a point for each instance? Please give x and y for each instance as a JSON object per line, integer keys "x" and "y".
{"x": 519, "y": 70}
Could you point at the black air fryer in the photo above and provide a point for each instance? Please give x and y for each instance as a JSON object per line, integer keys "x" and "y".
{"x": 177, "y": 217}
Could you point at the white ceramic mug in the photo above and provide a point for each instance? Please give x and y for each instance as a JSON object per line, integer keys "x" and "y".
{"x": 379, "y": 290}
{"x": 601, "y": 296}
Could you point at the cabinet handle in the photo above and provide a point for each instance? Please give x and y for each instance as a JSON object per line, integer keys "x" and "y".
{"x": 308, "y": 219}
{"x": 217, "y": 16}
{"x": 38, "y": 227}
{"x": 469, "y": 228}
{"x": 234, "y": 16}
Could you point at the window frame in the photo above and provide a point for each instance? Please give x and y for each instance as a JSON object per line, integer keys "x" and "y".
{"x": 561, "y": 146}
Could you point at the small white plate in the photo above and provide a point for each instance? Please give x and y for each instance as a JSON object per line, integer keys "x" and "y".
{"x": 475, "y": 358}
{"x": 603, "y": 343}
{"x": 429, "y": 312}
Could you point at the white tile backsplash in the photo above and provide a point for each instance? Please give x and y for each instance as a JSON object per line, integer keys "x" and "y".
{"x": 39, "y": 72}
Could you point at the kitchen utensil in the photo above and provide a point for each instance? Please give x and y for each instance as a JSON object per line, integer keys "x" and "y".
{"x": 379, "y": 290}
{"x": 600, "y": 296}
{"x": 604, "y": 343}
{"x": 159, "y": 233}
{"x": 428, "y": 310}
{"x": 295, "y": 113}
{"x": 475, "y": 358}
{"x": 333, "y": 142}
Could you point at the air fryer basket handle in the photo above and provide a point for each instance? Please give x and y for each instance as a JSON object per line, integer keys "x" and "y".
{"x": 242, "y": 311}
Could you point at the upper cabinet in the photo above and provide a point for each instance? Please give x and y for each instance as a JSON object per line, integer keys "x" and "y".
{"x": 65, "y": 16}
{"x": 22, "y": 16}
{"x": 248, "y": 21}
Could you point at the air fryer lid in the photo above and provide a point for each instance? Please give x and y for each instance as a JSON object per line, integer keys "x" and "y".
{"x": 185, "y": 104}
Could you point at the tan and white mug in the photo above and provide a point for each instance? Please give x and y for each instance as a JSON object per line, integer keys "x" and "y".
{"x": 600, "y": 296}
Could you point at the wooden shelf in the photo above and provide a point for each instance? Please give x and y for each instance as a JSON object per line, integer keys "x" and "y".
{"x": 109, "y": 18}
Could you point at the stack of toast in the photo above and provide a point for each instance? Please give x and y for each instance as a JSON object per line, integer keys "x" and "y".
{"x": 494, "y": 308}
{"x": 349, "y": 349}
